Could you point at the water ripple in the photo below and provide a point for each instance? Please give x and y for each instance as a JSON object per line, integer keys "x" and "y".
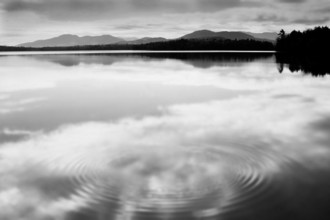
{"x": 200, "y": 182}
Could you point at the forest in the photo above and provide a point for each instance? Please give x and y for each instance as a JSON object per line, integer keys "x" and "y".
{"x": 315, "y": 40}
{"x": 304, "y": 51}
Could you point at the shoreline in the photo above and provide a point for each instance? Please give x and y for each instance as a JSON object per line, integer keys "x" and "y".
{"x": 42, "y": 52}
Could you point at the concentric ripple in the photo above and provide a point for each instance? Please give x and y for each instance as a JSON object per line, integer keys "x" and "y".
{"x": 204, "y": 181}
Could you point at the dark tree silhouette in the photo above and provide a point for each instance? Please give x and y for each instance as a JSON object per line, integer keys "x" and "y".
{"x": 304, "y": 51}
{"x": 314, "y": 41}
{"x": 281, "y": 35}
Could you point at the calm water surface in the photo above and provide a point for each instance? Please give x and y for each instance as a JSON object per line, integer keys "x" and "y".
{"x": 163, "y": 136}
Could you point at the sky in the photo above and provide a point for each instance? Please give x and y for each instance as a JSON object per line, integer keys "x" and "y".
{"x": 28, "y": 20}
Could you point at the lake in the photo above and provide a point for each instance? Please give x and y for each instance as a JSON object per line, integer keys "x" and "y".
{"x": 163, "y": 135}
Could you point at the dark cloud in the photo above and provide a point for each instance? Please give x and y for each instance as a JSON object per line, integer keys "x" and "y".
{"x": 74, "y": 5}
{"x": 325, "y": 10}
{"x": 184, "y": 6}
{"x": 158, "y": 5}
{"x": 12, "y": 34}
{"x": 269, "y": 18}
{"x": 63, "y": 9}
{"x": 192, "y": 5}
{"x": 128, "y": 27}
{"x": 134, "y": 26}
{"x": 311, "y": 21}
{"x": 18, "y": 6}
{"x": 293, "y": 1}
{"x": 213, "y": 5}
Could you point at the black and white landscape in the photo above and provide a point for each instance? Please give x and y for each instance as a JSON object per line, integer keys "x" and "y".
{"x": 164, "y": 110}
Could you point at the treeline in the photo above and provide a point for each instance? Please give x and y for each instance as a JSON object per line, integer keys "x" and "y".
{"x": 310, "y": 41}
{"x": 180, "y": 44}
{"x": 207, "y": 44}
{"x": 304, "y": 51}
{"x": 6, "y": 48}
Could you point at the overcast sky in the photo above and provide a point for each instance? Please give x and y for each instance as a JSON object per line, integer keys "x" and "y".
{"x": 29, "y": 20}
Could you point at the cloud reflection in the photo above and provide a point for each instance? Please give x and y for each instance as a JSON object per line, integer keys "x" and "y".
{"x": 196, "y": 158}
{"x": 38, "y": 175}
{"x": 232, "y": 74}
{"x": 7, "y": 107}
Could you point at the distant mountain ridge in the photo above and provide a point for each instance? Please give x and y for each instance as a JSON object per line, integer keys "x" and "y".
{"x": 266, "y": 35}
{"x": 145, "y": 40}
{"x": 233, "y": 35}
{"x": 74, "y": 40}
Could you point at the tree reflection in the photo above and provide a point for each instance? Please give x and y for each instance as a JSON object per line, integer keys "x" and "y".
{"x": 315, "y": 65}
{"x": 199, "y": 60}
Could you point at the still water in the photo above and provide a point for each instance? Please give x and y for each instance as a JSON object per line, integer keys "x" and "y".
{"x": 165, "y": 136}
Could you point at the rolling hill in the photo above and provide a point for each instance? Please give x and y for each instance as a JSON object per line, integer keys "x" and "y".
{"x": 73, "y": 40}
{"x": 230, "y": 35}
{"x": 68, "y": 40}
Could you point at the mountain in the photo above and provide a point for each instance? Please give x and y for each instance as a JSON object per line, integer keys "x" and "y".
{"x": 130, "y": 38}
{"x": 232, "y": 35}
{"x": 147, "y": 40}
{"x": 73, "y": 40}
{"x": 144, "y": 40}
{"x": 266, "y": 35}
{"x": 200, "y": 34}
{"x": 68, "y": 40}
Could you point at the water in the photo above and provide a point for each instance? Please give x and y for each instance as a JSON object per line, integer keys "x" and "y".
{"x": 163, "y": 136}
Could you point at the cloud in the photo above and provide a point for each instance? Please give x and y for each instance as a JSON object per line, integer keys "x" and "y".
{"x": 312, "y": 21}
{"x": 293, "y": 1}
{"x": 10, "y": 132}
{"x": 270, "y": 18}
{"x": 325, "y": 10}
{"x": 216, "y": 5}
{"x": 83, "y": 9}
{"x": 73, "y": 9}
{"x": 9, "y": 107}
{"x": 38, "y": 6}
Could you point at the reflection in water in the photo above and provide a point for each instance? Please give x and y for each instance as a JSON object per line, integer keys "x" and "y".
{"x": 201, "y": 60}
{"x": 154, "y": 137}
{"x": 316, "y": 65}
